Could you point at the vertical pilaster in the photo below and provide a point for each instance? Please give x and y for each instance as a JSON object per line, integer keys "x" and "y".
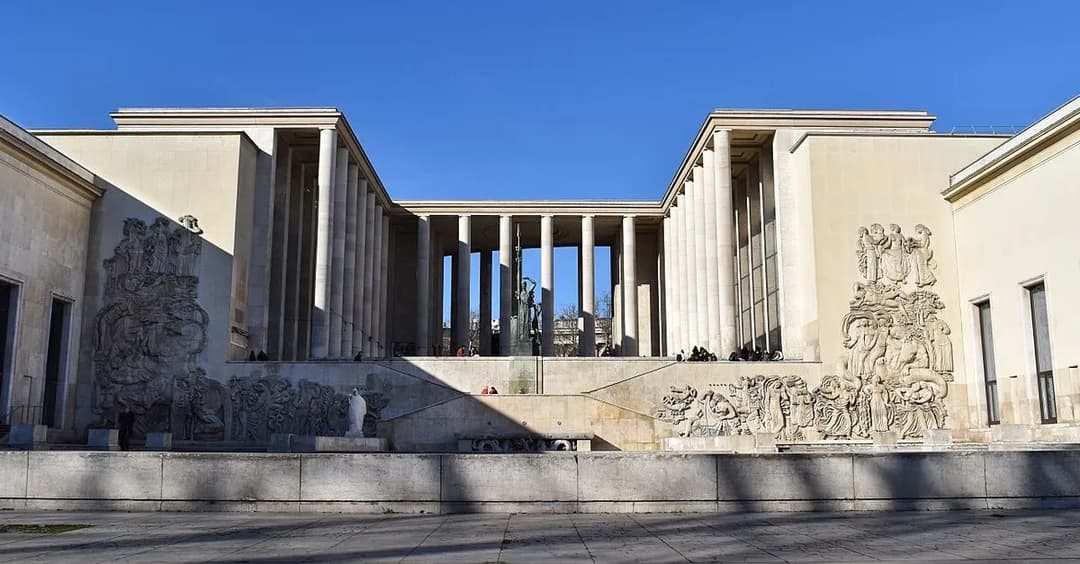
{"x": 348, "y": 290}
{"x": 630, "y": 293}
{"x": 423, "y": 285}
{"x": 485, "y": 302}
{"x": 369, "y": 272}
{"x": 372, "y": 322}
{"x": 462, "y": 284}
{"x": 361, "y": 251}
{"x": 385, "y": 346}
{"x": 587, "y": 345}
{"x": 324, "y": 246}
{"x": 725, "y": 246}
{"x": 506, "y": 291}
{"x": 547, "y": 284}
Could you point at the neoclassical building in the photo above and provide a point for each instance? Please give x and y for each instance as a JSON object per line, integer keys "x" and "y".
{"x": 862, "y": 244}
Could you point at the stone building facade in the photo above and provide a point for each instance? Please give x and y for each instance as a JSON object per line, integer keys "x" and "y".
{"x": 245, "y": 268}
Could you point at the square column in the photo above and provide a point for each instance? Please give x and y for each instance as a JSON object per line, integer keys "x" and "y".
{"x": 462, "y": 283}
{"x": 359, "y": 288}
{"x": 712, "y": 281}
{"x": 385, "y": 346}
{"x": 630, "y": 290}
{"x": 337, "y": 264}
{"x": 485, "y": 303}
{"x": 701, "y": 303}
{"x": 684, "y": 274}
{"x": 587, "y": 345}
{"x": 506, "y": 291}
{"x": 725, "y": 247}
{"x": 423, "y": 285}
{"x": 348, "y": 291}
{"x": 671, "y": 300}
{"x": 547, "y": 285}
{"x": 324, "y": 246}
{"x": 372, "y": 322}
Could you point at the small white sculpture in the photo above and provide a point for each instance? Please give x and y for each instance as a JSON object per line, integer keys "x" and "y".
{"x": 357, "y": 411}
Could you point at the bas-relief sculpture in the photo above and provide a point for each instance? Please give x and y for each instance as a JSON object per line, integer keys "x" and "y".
{"x": 263, "y": 405}
{"x": 895, "y": 375}
{"x": 150, "y": 333}
{"x": 523, "y": 444}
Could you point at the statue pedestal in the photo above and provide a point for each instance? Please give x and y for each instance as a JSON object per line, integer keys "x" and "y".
{"x": 28, "y": 436}
{"x": 103, "y": 439}
{"x": 288, "y": 442}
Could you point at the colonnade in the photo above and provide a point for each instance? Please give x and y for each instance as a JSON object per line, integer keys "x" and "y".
{"x": 428, "y": 290}
{"x": 699, "y": 295}
{"x": 328, "y": 292}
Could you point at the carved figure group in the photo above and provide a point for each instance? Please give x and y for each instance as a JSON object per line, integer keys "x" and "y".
{"x": 890, "y": 256}
{"x": 150, "y": 332}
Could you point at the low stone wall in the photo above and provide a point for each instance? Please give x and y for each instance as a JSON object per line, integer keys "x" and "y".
{"x": 555, "y": 482}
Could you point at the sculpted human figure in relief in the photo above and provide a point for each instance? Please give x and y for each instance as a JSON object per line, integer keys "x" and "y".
{"x": 922, "y": 256}
{"x": 357, "y": 411}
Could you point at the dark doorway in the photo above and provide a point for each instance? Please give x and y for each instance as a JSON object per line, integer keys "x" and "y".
{"x": 8, "y": 294}
{"x": 55, "y": 359}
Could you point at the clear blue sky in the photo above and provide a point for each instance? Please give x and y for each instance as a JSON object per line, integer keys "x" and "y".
{"x": 559, "y": 99}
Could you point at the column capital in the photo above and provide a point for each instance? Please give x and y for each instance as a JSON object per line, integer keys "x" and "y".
{"x": 722, "y": 130}
{"x": 588, "y": 215}
{"x": 506, "y": 215}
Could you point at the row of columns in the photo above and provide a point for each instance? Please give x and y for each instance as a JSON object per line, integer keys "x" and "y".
{"x": 698, "y": 248}
{"x": 425, "y": 341}
{"x": 351, "y": 256}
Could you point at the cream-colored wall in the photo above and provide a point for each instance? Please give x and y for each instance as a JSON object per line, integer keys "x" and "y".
{"x": 1019, "y": 227}
{"x": 170, "y": 175}
{"x": 44, "y": 228}
{"x": 860, "y": 180}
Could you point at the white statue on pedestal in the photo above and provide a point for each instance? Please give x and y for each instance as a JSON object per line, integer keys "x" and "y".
{"x": 357, "y": 411}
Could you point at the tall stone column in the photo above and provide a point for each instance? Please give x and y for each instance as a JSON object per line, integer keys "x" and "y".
{"x": 376, "y": 280}
{"x": 348, "y": 290}
{"x": 686, "y": 324}
{"x": 712, "y": 282}
{"x": 337, "y": 263}
{"x": 423, "y": 285}
{"x": 506, "y": 291}
{"x": 369, "y": 270}
{"x": 361, "y": 251}
{"x": 324, "y": 246}
{"x": 630, "y": 343}
{"x": 485, "y": 302}
{"x": 547, "y": 285}
{"x": 587, "y": 346}
{"x": 462, "y": 284}
{"x": 700, "y": 270}
{"x": 693, "y": 309}
{"x": 385, "y": 346}
{"x": 671, "y": 300}
{"x": 725, "y": 245}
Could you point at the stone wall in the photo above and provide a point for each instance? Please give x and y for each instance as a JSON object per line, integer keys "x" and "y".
{"x": 582, "y": 482}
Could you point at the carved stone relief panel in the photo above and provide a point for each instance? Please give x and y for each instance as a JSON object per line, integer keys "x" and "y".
{"x": 894, "y": 376}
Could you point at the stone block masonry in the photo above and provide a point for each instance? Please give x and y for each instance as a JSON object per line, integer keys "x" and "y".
{"x": 547, "y": 483}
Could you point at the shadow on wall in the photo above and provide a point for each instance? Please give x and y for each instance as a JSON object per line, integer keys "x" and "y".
{"x": 156, "y": 313}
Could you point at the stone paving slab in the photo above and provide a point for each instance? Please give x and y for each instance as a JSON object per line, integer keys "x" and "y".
{"x": 1050, "y": 536}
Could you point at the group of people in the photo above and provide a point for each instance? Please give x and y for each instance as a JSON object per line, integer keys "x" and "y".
{"x": 756, "y": 354}
{"x": 489, "y": 391}
{"x": 697, "y": 354}
{"x": 701, "y": 354}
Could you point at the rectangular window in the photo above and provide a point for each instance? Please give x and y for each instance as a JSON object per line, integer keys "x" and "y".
{"x": 55, "y": 360}
{"x": 986, "y": 338}
{"x": 8, "y": 309}
{"x": 1044, "y": 368}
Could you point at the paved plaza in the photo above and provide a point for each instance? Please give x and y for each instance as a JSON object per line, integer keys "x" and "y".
{"x": 1030, "y": 536}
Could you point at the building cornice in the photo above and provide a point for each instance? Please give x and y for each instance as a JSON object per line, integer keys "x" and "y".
{"x": 45, "y": 158}
{"x": 1053, "y": 126}
{"x": 610, "y": 208}
{"x": 766, "y": 119}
